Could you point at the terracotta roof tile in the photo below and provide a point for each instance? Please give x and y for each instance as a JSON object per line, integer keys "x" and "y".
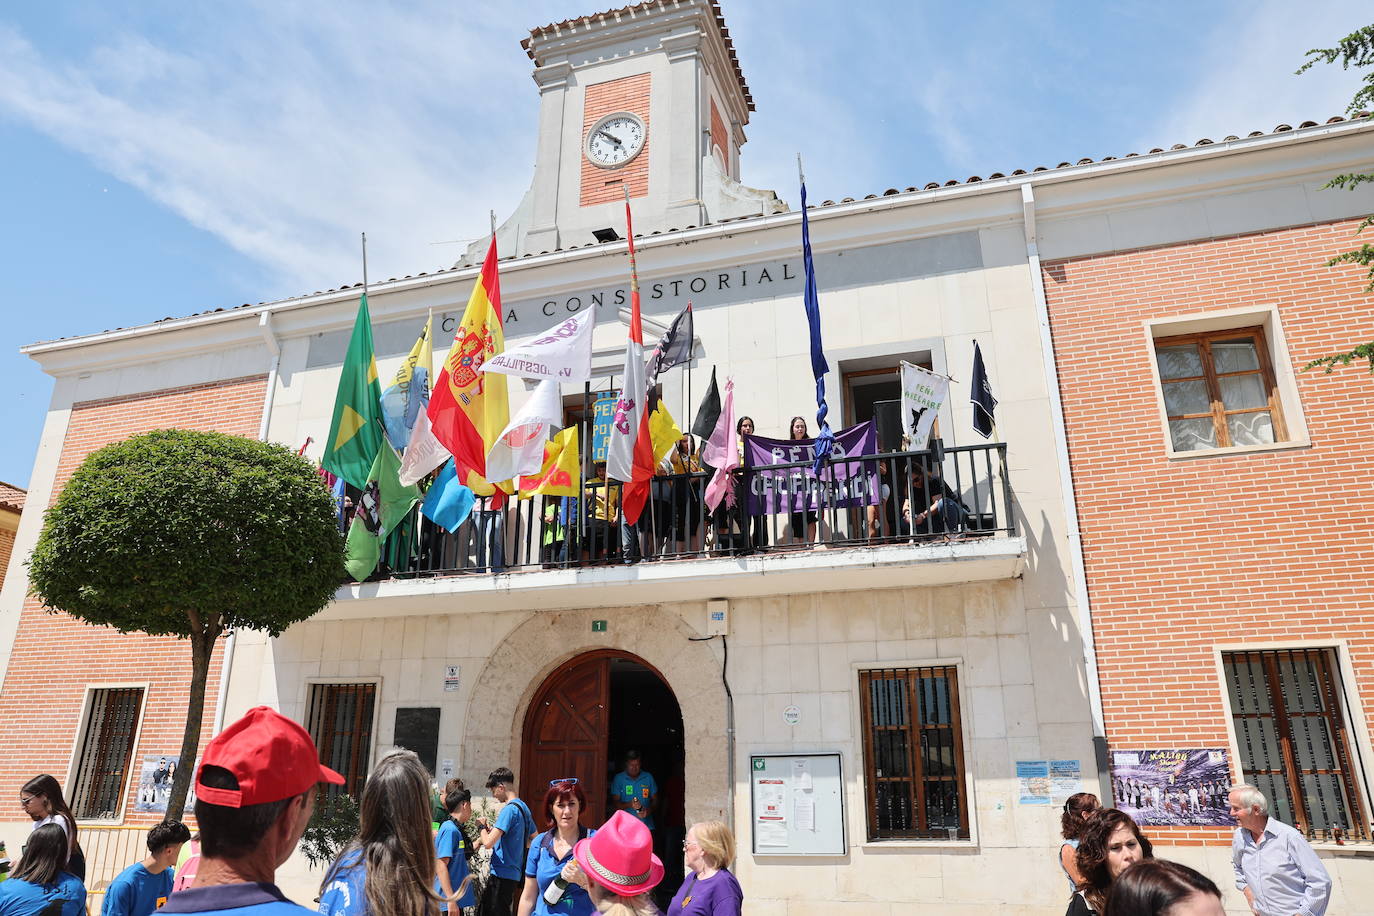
{"x": 12, "y": 497}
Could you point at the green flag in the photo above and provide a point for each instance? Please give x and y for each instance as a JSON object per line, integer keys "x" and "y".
{"x": 355, "y": 435}
{"x": 382, "y": 506}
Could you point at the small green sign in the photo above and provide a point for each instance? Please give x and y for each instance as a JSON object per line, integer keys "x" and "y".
{"x": 598, "y": 626}
{"x": 760, "y": 763}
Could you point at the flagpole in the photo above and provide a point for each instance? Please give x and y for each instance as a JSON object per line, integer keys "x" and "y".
{"x": 364, "y": 263}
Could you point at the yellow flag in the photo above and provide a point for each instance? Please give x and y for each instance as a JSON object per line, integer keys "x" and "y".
{"x": 560, "y": 475}
{"x": 663, "y": 432}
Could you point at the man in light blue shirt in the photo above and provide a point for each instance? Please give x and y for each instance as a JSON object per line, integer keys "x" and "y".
{"x": 145, "y": 886}
{"x": 634, "y": 790}
{"x": 1276, "y": 869}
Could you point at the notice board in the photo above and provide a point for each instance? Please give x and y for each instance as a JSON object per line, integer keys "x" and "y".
{"x": 797, "y": 805}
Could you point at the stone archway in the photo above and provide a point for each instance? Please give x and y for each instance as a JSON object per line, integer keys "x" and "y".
{"x": 533, "y": 650}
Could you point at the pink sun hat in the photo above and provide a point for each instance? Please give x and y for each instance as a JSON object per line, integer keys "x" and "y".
{"x": 620, "y": 856}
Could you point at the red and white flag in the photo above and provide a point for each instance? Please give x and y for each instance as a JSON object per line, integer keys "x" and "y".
{"x": 630, "y": 451}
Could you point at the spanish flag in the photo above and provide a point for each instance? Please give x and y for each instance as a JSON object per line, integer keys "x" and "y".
{"x": 468, "y": 408}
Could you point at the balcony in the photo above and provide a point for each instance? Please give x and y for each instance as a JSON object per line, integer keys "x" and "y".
{"x": 941, "y": 517}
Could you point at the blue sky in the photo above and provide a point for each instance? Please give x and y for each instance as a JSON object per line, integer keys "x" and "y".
{"x": 164, "y": 157}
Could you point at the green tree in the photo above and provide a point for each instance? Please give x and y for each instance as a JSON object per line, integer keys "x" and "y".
{"x": 1354, "y": 50}
{"x": 190, "y": 534}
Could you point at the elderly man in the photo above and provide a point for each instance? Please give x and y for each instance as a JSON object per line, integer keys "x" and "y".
{"x": 1277, "y": 870}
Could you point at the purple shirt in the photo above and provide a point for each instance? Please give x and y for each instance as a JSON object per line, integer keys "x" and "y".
{"x": 718, "y": 895}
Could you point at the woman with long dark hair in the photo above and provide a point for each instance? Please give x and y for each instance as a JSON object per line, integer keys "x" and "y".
{"x": 548, "y": 891}
{"x": 388, "y": 868}
{"x": 1155, "y": 887}
{"x": 1111, "y": 843}
{"x": 41, "y": 884}
{"x": 41, "y": 798}
{"x": 1072, "y": 823}
{"x": 803, "y": 520}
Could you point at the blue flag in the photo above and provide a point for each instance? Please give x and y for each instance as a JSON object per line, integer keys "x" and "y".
{"x": 980, "y": 394}
{"x": 825, "y": 439}
{"x": 448, "y": 503}
{"x": 338, "y": 491}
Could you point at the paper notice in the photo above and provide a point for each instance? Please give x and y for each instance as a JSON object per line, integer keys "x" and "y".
{"x": 801, "y": 774}
{"x": 770, "y": 833}
{"x": 770, "y": 800}
{"x": 804, "y": 811}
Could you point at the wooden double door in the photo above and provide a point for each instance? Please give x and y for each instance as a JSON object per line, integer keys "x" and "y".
{"x": 567, "y": 733}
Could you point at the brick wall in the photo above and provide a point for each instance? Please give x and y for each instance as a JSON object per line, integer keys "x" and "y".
{"x": 719, "y": 137}
{"x": 56, "y": 656}
{"x": 6, "y": 550}
{"x": 630, "y": 93}
{"x": 1182, "y": 554}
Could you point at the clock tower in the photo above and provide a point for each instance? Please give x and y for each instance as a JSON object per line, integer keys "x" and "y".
{"x": 649, "y": 97}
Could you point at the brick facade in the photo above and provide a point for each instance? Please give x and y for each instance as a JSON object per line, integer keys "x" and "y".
{"x": 630, "y": 93}
{"x": 1186, "y": 553}
{"x": 56, "y": 657}
{"x": 720, "y": 138}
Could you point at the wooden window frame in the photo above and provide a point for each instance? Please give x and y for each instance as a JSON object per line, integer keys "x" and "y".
{"x": 1218, "y": 413}
{"x": 911, "y": 677}
{"x": 322, "y": 700}
{"x": 90, "y": 746}
{"x": 1330, "y": 687}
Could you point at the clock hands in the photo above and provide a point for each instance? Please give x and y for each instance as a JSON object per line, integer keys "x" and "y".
{"x": 611, "y": 137}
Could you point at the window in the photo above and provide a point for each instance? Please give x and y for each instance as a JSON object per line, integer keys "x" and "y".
{"x": 1294, "y": 744}
{"x": 1219, "y": 390}
{"x": 106, "y": 748}
{"x": 341, "y": 724}
{"x": 913, "y": 754}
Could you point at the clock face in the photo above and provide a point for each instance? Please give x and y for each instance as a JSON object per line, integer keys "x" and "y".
{"x": 615, "y": 140}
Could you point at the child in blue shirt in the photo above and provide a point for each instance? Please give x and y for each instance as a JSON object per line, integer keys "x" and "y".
{"x": 451, "y": 852}
{"x": 39, "y": 886}
{"x": 144, "y": 886}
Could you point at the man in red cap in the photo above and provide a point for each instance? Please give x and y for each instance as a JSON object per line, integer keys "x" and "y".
{"x": 255, "y": 791}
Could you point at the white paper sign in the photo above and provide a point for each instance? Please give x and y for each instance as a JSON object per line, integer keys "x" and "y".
{"x": 770, "y": 833}
{"x": 452, "y": 678}
{"x": 770, "y": 800}
{"x": 446, "y": 768}
{"x": 801, "y": 774}
{"x": 923, "y": 393}
{"x": 563, "y": 353}
{"x": 804, "y": 811}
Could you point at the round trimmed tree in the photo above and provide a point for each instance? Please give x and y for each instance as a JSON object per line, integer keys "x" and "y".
{"x": 190, "y": 534}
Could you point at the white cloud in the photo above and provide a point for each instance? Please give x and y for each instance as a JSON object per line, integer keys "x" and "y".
{"x": 1248, "y": 83}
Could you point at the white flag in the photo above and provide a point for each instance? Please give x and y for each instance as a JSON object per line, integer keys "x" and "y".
{"x": 520, "y": 449}
{"x": 563, "y": 353}
{"x": 423, "y": 453}
{"x": 923, "y": 393}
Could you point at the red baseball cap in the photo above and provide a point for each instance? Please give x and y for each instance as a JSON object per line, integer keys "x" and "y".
{"x": 271, "y": 756}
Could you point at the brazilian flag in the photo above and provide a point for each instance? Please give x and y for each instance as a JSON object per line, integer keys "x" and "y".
{"x": 355, "y": 436}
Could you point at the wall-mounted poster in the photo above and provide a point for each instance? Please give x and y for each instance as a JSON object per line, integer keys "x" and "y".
{"x": 155, "y": 784}
{"x": 1173, "y": 788}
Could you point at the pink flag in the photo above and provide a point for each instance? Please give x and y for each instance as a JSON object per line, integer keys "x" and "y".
{"x": 720, "y": 450}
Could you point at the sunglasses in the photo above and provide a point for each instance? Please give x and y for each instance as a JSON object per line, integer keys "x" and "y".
{"x": 565, "y": 781}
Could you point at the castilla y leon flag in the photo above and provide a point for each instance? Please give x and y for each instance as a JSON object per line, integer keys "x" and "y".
{"x": 629, "y": 454}
{"x": 355, "y": 435}
{"x": 469, "y": 408}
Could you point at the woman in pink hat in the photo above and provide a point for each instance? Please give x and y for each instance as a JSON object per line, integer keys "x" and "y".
{"x": 618, "y": 867}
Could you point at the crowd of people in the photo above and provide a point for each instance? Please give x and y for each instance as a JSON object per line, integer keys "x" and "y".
{"x": 1112, "y": 871}
{"x": 256, "y": 789}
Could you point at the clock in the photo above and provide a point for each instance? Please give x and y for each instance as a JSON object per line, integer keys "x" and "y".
{"x": 615, "y": 140}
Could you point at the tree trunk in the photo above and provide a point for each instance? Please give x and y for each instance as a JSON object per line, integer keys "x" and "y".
{"x": 203, "y": 638}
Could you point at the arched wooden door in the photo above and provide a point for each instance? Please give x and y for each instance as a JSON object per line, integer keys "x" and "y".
{"x": 566, "y": 734}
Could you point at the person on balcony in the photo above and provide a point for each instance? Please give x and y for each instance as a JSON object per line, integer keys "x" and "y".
{"x": 803, "y": 521}
{"x": 603, "y": 505}
{"x": 685, "y": 512}
{"x": 945, "y": 514}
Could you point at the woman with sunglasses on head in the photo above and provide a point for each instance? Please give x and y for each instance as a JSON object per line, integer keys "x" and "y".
{"x": 711, "y": 890}
{"x": 548, "y": 888}
{"x": 1072, "y": 823}
{"x": 41, "y": 885}
{"x": 41, "y": 798}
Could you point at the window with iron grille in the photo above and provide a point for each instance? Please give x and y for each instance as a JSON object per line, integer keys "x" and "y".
{"x": 1294, "y": 744}
{"x": 105, "y": 751}
{"x": 913, "y": 754}
{"x": 341, "y": 724}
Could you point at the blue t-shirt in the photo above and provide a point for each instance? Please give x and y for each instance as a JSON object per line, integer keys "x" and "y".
{"x": 137, "y": 892}
{"x": 344, "y": 893}
{"x": 23, "y": 898}
{"x": 543, "y": 868}
{"x": 250, "y": 898}
{"x": 450, "y": 843}
{"x": 509, "y": 853}
{"x": 641, "y": 787}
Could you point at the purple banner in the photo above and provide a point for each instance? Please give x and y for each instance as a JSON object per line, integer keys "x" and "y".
{"x": 841, "y": 483}
{"x": 1173, "y": 788}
